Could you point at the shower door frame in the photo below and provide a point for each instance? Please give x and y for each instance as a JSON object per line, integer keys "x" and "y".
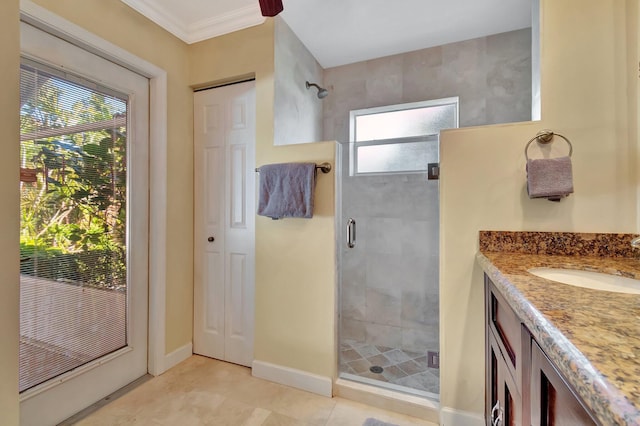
{"x": 349, "y": 171}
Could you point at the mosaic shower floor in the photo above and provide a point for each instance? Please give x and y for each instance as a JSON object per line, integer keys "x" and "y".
{"x": 399, "y": 367}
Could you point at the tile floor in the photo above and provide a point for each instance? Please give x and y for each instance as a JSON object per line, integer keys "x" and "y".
{"x": 404, "y": 368}
{"x": 203, "y": 391}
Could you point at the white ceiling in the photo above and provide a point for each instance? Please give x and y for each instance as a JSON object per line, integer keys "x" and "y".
{"x": 339, "y": 32}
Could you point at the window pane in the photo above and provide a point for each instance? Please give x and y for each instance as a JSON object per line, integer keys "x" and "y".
{"x": 73, "y": 279}
{"x": 405, "y": 123}
{"x": 399, "y": 138}
{"x": 396, "y": 157}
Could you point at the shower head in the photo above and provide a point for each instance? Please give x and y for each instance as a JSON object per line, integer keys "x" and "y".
{"x": 322, "y": 93}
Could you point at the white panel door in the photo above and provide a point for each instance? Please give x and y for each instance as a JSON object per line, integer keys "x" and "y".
{"x": 57, "y": 399}
{"x": 224, "y": 269}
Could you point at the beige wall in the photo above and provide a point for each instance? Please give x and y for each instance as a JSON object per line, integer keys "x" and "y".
{"x": 633, "y": 98}
{"x": 121, "y": 25}
{"x": 584, "y": 96}
{"x": 9, "y": 219}
{"x": 295, "y": 260}
{"x": 295, "y": 274}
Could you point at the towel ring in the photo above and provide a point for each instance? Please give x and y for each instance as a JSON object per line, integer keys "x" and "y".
{"x": 544, "y": 137}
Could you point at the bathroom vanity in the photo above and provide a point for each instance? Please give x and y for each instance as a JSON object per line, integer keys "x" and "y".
{"x": 523, "y": 385}
{"x": 557, "y": 353}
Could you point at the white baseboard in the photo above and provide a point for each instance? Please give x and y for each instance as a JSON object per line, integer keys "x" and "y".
{"x": 299, "y": 379}
{"x": 452, "y": 417}
{"x": 176, "y": 357}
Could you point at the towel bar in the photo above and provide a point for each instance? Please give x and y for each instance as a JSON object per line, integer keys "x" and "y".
{"x": 324, "y": 167}
{"x": 544, "y": 137}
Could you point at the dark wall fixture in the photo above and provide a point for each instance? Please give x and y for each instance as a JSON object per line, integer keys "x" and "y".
{"x": 271, "y": 7}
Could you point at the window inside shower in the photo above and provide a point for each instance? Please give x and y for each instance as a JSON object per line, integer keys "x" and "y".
{"x": 399, "y": 138}
{"x": 389, "y": 310}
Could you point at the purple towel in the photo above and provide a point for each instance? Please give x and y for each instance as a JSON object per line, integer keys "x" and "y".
{"x": 286, "y": 190}
{"x": 549, "y": 178}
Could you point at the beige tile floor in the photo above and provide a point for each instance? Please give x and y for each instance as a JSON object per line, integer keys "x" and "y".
{"x": 203, "y": 391}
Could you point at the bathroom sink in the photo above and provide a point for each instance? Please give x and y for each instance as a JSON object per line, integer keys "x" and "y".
{"x": 588, "y": 279}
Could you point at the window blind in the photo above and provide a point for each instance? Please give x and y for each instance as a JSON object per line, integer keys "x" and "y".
{"x": 73, "y": 228}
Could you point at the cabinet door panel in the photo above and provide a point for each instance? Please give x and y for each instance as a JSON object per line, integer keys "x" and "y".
{"x": 506, "y": 326}
{"x": 552, "y": 401}
{"x": 511, "y": 400}
{"x": 521, "y": 381}
{"x": 503, "y": 391}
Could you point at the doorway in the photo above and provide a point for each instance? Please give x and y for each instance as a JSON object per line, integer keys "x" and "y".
{"x": 224, "y": 222}
{"x": 84, "y": 239}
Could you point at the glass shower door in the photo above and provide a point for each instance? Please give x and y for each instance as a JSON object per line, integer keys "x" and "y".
{"x": 389, "y": 285}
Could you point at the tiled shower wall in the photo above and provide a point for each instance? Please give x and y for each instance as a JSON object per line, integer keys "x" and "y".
{"x": 389, "y": 291}
{"x": 491, "y": 76}
{"x": 297, "y": 112}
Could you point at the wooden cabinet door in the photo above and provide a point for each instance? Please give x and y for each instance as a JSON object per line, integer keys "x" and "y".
{"x": 507, "y": 329}
{"x": 505, "y": 400}
{"x": 552, "y": 401}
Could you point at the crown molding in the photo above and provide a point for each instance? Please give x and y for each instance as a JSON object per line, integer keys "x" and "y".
{"x": 160, "y": 16}
{"x": 192, "y": 32}
{"x": 238, "y": 19}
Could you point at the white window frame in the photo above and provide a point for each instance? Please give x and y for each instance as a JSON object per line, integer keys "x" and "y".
{"x": 353, "y": 144}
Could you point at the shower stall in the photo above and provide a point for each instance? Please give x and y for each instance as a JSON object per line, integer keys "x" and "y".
{"x": 388, "y": 248}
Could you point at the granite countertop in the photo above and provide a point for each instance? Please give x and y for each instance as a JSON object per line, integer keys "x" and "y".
{"x": 592, "y": 336}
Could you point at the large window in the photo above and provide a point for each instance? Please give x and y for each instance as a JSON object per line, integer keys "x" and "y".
{"x": 73, "y": 251}
{"x": 399, "y": 138}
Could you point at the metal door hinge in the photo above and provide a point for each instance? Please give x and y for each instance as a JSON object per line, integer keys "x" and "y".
{"x": 433, "y": 171}
{"x": 433, "y": 359}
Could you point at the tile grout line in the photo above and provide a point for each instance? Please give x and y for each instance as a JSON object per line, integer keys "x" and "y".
{"x": 332, "y": 410}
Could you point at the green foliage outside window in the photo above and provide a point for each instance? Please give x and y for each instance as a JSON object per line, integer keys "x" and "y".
{"x": 73, "y": 218}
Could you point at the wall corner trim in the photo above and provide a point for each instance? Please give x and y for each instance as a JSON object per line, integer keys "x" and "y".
{"x": 452, "y": 417}
{"x": 299, "y": 379}
{"x": 176, "y": 357}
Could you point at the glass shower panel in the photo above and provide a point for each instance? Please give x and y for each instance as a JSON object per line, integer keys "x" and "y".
{"x": 389, "y": 295}
{"x": 389, "y": 312}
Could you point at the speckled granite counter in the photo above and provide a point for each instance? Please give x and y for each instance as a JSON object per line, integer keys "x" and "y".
{"x": 592, "y": 336}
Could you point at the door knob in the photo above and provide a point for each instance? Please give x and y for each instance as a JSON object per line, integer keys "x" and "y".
{"x": 211, "y": 239}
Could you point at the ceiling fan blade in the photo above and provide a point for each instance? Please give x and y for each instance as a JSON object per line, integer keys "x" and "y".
{"x": 271, "y": 7}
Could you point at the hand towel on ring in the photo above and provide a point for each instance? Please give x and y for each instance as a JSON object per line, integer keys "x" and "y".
{"x": 549, "y": 178}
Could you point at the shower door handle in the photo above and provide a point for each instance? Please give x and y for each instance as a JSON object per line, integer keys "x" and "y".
{"x": 351, "y": 233}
